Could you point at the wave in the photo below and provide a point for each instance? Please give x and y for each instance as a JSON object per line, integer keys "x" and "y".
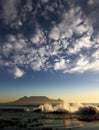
{"x": 72, "y": 108}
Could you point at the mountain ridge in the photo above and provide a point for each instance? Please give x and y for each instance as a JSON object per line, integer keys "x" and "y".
{"x": 35, "y": 100}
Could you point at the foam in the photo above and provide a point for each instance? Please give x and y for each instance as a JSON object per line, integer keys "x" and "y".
{"x": 73, "y": 108}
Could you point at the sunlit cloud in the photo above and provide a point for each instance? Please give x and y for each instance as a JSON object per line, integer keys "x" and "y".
{"x": 18, "y": 73}
{"x": 66, "y": 43}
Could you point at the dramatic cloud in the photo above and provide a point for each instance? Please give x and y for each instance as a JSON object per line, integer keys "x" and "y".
{"x": 46, "y": 35}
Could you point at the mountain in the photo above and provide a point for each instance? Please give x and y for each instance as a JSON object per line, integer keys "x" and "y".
{"x": 36, "y": 99}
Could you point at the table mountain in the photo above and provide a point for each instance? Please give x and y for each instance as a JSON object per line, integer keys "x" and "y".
{"x": 36, "y": 99}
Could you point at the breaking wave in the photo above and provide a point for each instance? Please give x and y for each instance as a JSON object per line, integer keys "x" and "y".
{"x": 73, "y": 108}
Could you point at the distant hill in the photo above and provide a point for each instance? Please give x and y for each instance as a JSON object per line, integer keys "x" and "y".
{"x": 36, "y": 99}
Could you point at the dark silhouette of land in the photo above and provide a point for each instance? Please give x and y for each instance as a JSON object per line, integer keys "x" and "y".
{"x": 36, "y": 100}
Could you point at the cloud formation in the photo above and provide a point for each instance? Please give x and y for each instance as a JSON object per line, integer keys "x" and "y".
{"x": 18, "y": 73}
{"x": 10, "y": 11}
{"x": 44, "y": 35}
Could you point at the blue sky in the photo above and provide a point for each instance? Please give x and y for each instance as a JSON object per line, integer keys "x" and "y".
{"x": 49, "y": 48}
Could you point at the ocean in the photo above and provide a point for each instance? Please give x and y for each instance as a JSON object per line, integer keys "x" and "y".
{"x": 66, "y": 116}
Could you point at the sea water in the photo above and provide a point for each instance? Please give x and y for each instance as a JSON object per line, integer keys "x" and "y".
{"x": 50, "y": 117}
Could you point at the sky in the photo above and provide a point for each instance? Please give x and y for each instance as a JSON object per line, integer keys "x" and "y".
{"x": 49, "y": 48}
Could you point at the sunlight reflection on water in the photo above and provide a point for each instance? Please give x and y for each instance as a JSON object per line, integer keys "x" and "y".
{"x": 72, "y": 123}
{"x": 63, "y": 123}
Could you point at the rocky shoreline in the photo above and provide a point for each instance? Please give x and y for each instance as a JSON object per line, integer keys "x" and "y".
{"x": 19, "y": 119}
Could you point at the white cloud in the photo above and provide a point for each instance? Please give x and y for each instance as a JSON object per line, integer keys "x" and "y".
{"x": 61, "y": 65}
{"x": 11, "y": 38}
{"x": 18, "y": 72}
{"x": 81, "y": 65}
{"x": 96, "y": 54}
{"x": 69, "y": 46}
{"x": 79, "y": 44}
{"x": 10, "y": 10}
{"x": 73, "y": 22}
{"x": 54, "y": 34}
{"x": 53, "y": 49}
{"x": 35, "y": 39}
{"x": 42, "y": 51}
{"x": 7, "y": 48}
{"x": 39, "y": 36}
{"x": 65, "y": 43}
{"x": 36, "y": 65}
{"x": 90, "y": 2}
{"x": 94, "y": 66}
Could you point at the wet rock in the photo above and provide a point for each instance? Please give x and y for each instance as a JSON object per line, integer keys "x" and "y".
{"x": 37, "y": 110}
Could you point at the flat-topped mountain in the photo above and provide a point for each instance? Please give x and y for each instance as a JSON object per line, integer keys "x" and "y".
{"x": 36, "y": 99}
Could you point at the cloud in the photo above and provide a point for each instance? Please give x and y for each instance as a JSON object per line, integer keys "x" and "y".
{"x": 54, "y": 34}
{"x": 91, "y": 8}
{"x": 83, "y": 64}
{"x": 90, "y": 2}
{"x": 81, "y": 43}
{"x": 39, "y": 37}
{"x": 60, "y": 65}
{"x": 48, "y": 35}
{"x": 18, "y": 73}
{"x": 10, "y": 10}
{"x": 95, "y": 55}
{"x": 80, "y": 65}
{"x": 7, "y": 49}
